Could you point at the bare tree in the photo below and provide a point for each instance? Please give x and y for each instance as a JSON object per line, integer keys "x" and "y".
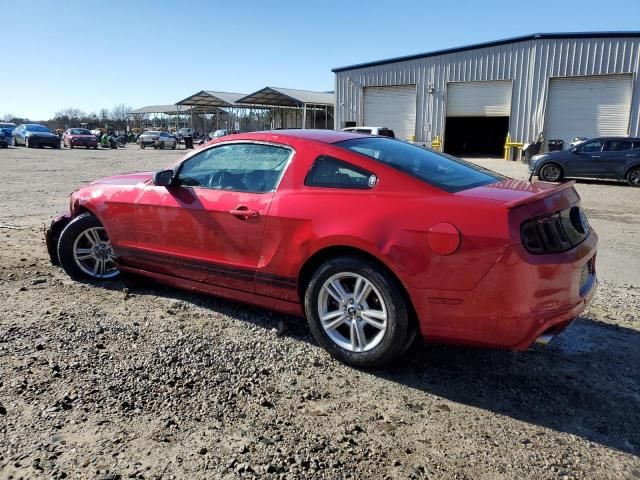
{"x": 7, "y": 117}
{"x": 120, "y": 112}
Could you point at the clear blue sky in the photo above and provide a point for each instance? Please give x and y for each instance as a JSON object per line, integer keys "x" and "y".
{"x": 91, "y": 55}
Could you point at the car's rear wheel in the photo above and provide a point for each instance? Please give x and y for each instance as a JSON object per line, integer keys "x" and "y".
{"x": 633, "y": 177}
{"x": 357, "y": 312}
{"x": 85, "y": 251}
{"x": 551, "y": 172}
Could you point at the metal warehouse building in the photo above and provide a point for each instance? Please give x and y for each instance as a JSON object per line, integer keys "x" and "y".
{"x": 558, "y": 86}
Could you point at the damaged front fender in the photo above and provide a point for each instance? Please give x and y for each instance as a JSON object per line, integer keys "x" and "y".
{"x": 52, "y": 235}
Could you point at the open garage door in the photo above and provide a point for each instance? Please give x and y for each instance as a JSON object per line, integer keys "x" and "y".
{"x": 392, "y": 107}
{"x": 588, "y": 107}
{"x": 477, "y": 117}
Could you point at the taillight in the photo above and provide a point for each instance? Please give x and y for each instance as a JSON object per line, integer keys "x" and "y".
{"x": 555, "y": 233}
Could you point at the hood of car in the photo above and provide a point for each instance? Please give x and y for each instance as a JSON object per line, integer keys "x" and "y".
{"x": 41, "y": 134}
{"x": 126, "y": 179}
{"x": 508, "y": 191}
{"x": 81, "y": 135}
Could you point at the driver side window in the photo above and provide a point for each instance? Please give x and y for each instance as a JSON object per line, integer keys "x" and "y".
{"x": 592, "y": 146}
{"x": 240, "y": 167}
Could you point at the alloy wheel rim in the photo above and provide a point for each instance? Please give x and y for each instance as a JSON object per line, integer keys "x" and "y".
{"x": 634, "y": 176}
{"x": 551, "y": 173}
{"x": 93, "y": 253}
{"x": 352, "y": 312}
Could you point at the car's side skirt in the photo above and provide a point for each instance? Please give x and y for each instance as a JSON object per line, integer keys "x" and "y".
{"x": 270, "y": 303}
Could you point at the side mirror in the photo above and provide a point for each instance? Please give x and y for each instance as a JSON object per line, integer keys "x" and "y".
{"x": 163, "y": 178}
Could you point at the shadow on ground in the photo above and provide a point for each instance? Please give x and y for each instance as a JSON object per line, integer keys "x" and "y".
{"x": 585, "y": 383}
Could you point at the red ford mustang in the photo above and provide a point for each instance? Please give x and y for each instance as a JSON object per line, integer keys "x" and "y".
{"x": 372, "y": 239}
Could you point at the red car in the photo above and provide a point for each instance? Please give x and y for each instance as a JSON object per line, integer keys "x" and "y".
{"x": 79, "y": 137}
{"x": 371, "y": 238}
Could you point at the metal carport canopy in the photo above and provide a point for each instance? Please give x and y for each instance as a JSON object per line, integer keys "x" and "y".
{"x": 166, "y": 109}
{"x": 288, "y": 97}
{"x": 207, "y": 101}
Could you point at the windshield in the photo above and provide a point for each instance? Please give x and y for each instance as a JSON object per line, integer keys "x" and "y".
{"x": 150, "y": 132}
{"x": 37, "y": 128}
{"x": 79, "y": 131}
{"x": 438, "y": 169}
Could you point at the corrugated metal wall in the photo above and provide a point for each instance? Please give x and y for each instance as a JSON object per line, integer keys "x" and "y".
{"x": 528, "y": 64}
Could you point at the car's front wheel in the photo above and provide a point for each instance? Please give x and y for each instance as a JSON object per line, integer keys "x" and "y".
{"x": 551, "y": 172}
{"x": 357, "y": 312}
{"x": 633, "y": 177}
{"x": 85, "y": 251}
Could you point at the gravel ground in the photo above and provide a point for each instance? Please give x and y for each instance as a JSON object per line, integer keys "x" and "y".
{"x": 120, "y": 381}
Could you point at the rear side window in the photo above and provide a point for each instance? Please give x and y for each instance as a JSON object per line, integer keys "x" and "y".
{"x": 617, "y": 145}
{"x": 364, "y": 131}
{"x": 438, "y": 169}
{"x": 329, "y": 172}
{"x": 385, "y": 132}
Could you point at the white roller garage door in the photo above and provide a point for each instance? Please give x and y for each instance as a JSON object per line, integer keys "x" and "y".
{"x": 479, "y": 99}
{"x": 392, "y": 107}
{"x": 588, "y": 107}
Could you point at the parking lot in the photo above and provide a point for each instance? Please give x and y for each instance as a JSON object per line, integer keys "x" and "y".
{"x": 149, "y": 382}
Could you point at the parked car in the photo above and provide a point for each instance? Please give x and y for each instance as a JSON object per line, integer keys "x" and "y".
{"x": 186, "y": 132}
{"x": 383, "y": 131}
{"x": 374, "y": 240}
{"x": 79, "y": 137}
{"x": 218, "y": 134}
{"x": 4, "y": 139}
{"x": 157, "y": 139}
{"x": 606, "y": 157}
{"x": 33, "y": 135}
{"x": 8, "y": 128}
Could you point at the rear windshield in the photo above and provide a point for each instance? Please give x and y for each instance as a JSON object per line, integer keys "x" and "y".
{"x": 438, "y": 169}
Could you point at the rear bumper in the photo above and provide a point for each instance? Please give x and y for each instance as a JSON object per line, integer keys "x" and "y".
{"x": 52, "y": 235}
{"x": 515, "y": 303}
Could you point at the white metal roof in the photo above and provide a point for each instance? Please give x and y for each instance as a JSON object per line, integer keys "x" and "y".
{"x": 288, "y": 97}
{"x": 166, "y": 109}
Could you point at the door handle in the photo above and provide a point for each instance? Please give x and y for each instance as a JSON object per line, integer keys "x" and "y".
{"x": 631, "y": 155}
{"x": 243, "y": 213}
{"x": 596, "y": 156}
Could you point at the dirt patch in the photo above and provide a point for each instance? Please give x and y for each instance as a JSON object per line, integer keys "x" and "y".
{"x": 121, "y": 381}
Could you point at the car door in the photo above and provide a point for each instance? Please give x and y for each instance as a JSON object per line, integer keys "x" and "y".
{"x": 208, "y": 226}
{"x": 615, "y": 155}
{"x": 585, "y": 159}
{"x": 18, "y": 135}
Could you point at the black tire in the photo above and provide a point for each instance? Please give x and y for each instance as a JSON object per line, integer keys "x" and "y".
{"x": 69, "y": 234}
{"x": 633, "y": 177}
{"x": 161, "y": 145}
{"x": 175, "y": 144}
{"x": 27, "y": 143}
{"x": 71, "y": 145}
{"x": 142, "y": 146}
{"x": 551, "y": 172}
{"x": 398, "y": 333}
{"x": 57, "y": 146}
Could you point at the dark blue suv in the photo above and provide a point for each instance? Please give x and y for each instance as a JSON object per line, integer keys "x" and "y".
{"x": 6, "y": 128}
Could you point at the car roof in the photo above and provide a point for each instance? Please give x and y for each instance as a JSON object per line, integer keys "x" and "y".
{"x": 324, "y": 136}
